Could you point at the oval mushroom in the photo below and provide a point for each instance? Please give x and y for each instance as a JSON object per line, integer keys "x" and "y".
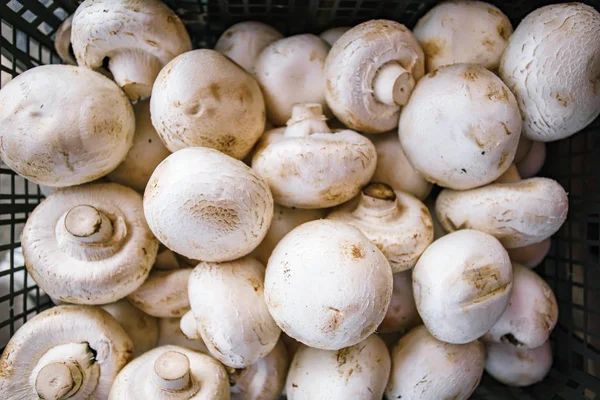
{"x": 89, "y": 244}
{"x": 137, "y": 37}
{"x": 370, "y": 73}
{"x": 532, "y": 255}
{"x": 170, "y": 332}
{"x": 164, "y": 294}
{"x": 396, "y": 222}
{"x": 462, "y": 284}
{"x": 332, "y": 35}
{"x": 141, "y": 327}
{"x": 518, "y": 367}
{"x": 552, "y": 65}
{"x": 327, "y": 285}
{"x": 470, "y": 121}
{"x": 207, "y": 206}
{"x": 62, "y": 42}
{"x": 308, "y": 166}
{"x": 402, "y": 313}
{"x": 171, "y": 372}
{"x": 532, "y": 163}
{"x": 66, "y": 352}
{"x": 62, "y": 125}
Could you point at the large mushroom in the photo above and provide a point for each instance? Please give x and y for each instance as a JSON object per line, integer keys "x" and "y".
{"x": 62, "y": 42}
{"x": 141, "y": 328}
{"x": 518, "y": 367}
{"x": 332, "y": 35}
{"x": 402, "y": 313}
{"x": 164, "y": 294}
{"x": 170, "y": 332}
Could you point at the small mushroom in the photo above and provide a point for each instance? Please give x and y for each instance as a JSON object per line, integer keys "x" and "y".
{"x": 170, "y": 332}
{"x": 371, "y": 71}
{"x": 164, "y": 294}
{"x": 327, "y": 285}
{"x": 470, "y": 121}
{"x": 396, "y": 222}
{"x": 137, "y": 37}
{"x": 518, "y": 367}
{"x": 141, "y": 328}
{"x": 532, "y": 255}
{"x": 358, "y": 372}
{"x": 89, "y": 244}
{"x": 402, "y": 313}
{"x": 533, "y": 162}
{"x": 62, "y": 125}
{"x": 308, "y": 166}
{"x": 552, "y": 65}
{"x": 171, "y": 372}
{"x": 425, "y": 368}
{"x": 207, "y": 206}
{"x": 333, "y": 34}
{"x": 66, "y": 352}
{"x": 462, "y": 285}
{"x": 62, "y": 42}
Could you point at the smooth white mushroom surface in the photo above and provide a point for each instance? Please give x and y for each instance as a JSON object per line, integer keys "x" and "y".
{"x": 89, "y": 244}
{"x": 66, "y": 352}
{"x": 62, "y": 42}
{"x": 327, "y": 285}
{"x": 402, "y": 313}
{"x": 141, "y": 327}
{"x": 62, "y": 125}
{"x": 370, "y": 73}
{"x": 427, "y": 369}
{"x": 137, "y": 37}
{"x": 552, "y": 65}
{"x": 518, "y": 367}
{"x": 357, "y": 372}
{"x": 207, "y": 206}
{"x": 170, "y": 332}
{"x": 462, "y": 284}
{"x": 332, "y": 35}
{"x": 461, "y": 126}
{"x": 164, "y": 294}
{"x": 531, "y": 255}
{"x": 532, "y": 163}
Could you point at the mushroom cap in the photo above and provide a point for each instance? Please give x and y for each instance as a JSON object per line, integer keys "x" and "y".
{"x": 463, "y": 108}
{"x": 356, "y": 372}
{"x": 532, "y": 255}
{"x": 141, "y": 327}
{"x": 402, "y": 313}
{"x": 73, "y": 266}
{"x": 472, "y": 32}
{"x": 169, "y": 332}
{"x": 462, "y": 285}
{"x": 290, "y": 71}
{"x": 426, "y": 368}
{"x": 164, "y": 294}
{"x": 233, "y": 291}
{"x": 327, "y": 285}
{"x": 244, "y": 41}
{"x": 49, "y": 146}
{"x": 202, "y": 98}
{"x": 207, "y": 206}
{"x": 353, "y": 65}
{"x": 62, "y": 41}
{"x": 518, "y": 214}
{"x": 332, "y": 35}
{"x": 533, "y": 162}
{"x": 518, "y": 367}
{"x": 552, "y": 64}
{"x": 59, "y": 326}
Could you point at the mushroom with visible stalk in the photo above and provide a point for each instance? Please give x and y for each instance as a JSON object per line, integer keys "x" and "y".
{"x": 462, "y": 284}
{"x": 219, "y": 199}
{"x": 164, "y": 294}
{"x": 332, "y": 35}
{"x": 465, "y": 108}
{"x": 426, "y": 368}
{"x": 48, "y": 145}
{"x": 309, "y": 166}
{"x": 518, "y": 367}
{"x": 141, "y": 327}
{"x": 89, "y": 244}
{"x": 62, "y": 42}
{"x": 327, "y": 285}
{"x": 66, "y": 352}
{"x": 137, "y": 37}
{"x": 533, "y": 162}
{"x": 170, "y": 332}
{"x": 171, "y": 372}
{"x": 532, "y": 255}
{"x": 370, "y": 73}
{"x": 402, "y": 313}
{"x": 396, "y": 222}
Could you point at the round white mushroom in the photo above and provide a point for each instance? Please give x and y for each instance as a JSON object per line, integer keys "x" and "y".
{"x": 533, "y": 162}
{"x": 402, "y": 313}
{"x": 141, "y": 327}
{"x": 532, "y": 255}
{"x": 332, "y": 35}
{"x": 518, "y": 367}
{"x": 164, "y": 294}
{"x": 170, "y": 332}
{"x": 62, "y": 42}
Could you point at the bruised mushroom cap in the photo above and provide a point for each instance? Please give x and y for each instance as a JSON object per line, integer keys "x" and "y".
{"x": 462, "y": 285}
{"x": 471, "y": 32}
{"x": 62, "y": 353}
{"x": 141, "y": 327}
{"x": 552, "y": 65}
{"x": 164, "y": 294}
{"x": 470, "y": 122}
{"x": 402, "y": 313}
{"x": 327, "y": 285}
{"x": 333, "y": 34}
{"x": 207, "y": 206}
{"x": 62, "y": 125}
{"x": 518, "y": 367}
{"x": 171, "y": 372}
{"x": 532, "y": 255}
{"x": 62, "y": 42}
{"x": 518, "y": 214}
{"x": 426, "y": 368}
{"x": 169, "y": 332}
{"x": 308, "y": 166}
{"x": 137, "y": 37}
{"x": 371, "y": 71}
{"x": 89, "y": 244}
{"x": 533, "y": 162}
{"x": 202, "y": 98}
{"x": 356, "y": 372}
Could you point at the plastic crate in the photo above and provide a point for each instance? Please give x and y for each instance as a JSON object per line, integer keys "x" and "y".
{"x": 572, "y": 267}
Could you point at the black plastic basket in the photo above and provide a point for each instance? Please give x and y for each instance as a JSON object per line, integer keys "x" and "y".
{"x": 572, "y": 267}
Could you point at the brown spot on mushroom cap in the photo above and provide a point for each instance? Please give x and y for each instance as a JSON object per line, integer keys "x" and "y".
{"x": 503, "y": 159}
{"x": 470, "y": 74}
{"x": 503, "y": 30}
{"x": 488, "y": 44}
{"x": 563, "y": 100}
{"x": 498, "y": 93}
{"x": 334, "y": 319}
{"x": 256, "y": 284}
{"x": 433, "y": 46}
{"x": 506, "y": 130}
{"x": 523, "y": 356}
{"x": 380, "y": 191}
{"x": 482, "y": 277}
{"x": 353, "y": 251}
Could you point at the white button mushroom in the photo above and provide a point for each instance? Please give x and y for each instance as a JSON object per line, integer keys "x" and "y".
{"x": 62, "y": 42}
{"x": 423, "y": 368}
{"x": 532, "y": 255}
{"x": 461, "y": 127}
{"x": 333, "y": 34}
{"x": 207, "y": 206}
{"x": 402, "y": 313}
{"x": 67, "y": 352}
{"x": 89, "y": 244}
{"x": 552, "y": 65}
{"x": 62, "y": 125}
{"x": 308, "y": 166}
{"x": 141, "y": 327}
{"x": 533, "y": 162}
{"x": 517, "y": 367}
{"x": 164, "y": 294}
{"x": 170, "y": 332}
{"x": 327, "y": 285}
{"x": 371, "y": 71}
{"x": 462, "y": 285}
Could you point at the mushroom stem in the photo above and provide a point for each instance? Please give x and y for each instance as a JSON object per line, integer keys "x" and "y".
{"x": 306, "y": 120}
{"x": 393, "y": 84}
{"x": 172, "y": 371}
{"x": 87, "y": 224}
{"x": 58, "y": 380}
{"x": 377, "y": 200}
{"x": 135, "y": 72}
